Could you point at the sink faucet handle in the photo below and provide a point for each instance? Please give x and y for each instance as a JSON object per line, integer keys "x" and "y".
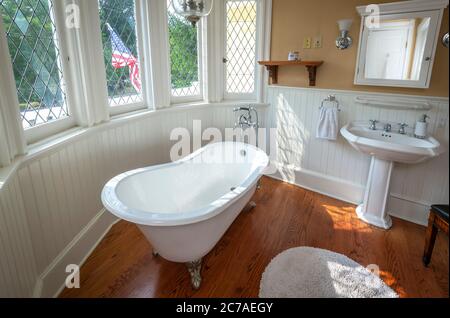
{"x": 373, "y": 124}
{"x": 402, "y": 127}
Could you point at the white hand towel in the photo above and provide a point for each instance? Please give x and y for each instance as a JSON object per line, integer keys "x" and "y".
{"x": 327, "y": 127}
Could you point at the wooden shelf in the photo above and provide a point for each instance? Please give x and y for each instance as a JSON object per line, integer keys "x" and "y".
{"x": 311, "y": 67}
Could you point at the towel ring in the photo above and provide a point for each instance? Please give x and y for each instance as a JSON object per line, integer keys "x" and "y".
{"x": 331, "y": 98}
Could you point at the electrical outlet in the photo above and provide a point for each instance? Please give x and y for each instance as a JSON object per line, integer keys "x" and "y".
{"x": 317, "y": 42}
{"x": 307, "y": 43}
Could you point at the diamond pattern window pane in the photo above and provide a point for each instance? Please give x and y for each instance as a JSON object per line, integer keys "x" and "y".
{"x": 241, "y": 46}
{"x": 33, "y": 46}
{"x": 184, "y": 57}
{"x": 118, "y": 26}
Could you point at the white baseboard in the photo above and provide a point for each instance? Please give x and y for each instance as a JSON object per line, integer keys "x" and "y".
{"x": 409, "y": 209}
{"x": 323, "y": 184}
{"x": 52, "y": 281}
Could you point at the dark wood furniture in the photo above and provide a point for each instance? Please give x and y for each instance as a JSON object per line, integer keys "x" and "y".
{"x": 311, "y": 67}
{"x": 438, "y": 220}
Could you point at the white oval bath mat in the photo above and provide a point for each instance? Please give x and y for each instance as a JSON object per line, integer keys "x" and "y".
{"x": 306, "y": 272}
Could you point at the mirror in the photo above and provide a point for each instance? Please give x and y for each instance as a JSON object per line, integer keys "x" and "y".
{"x": 397, "y": 49}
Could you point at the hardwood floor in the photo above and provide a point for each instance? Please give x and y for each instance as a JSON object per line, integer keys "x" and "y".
{"x": 286, "y": 216}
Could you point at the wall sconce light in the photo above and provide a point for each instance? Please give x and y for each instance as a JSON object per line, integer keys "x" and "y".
{"x": 344, "y": 41}
{"x": 445, "y": 39}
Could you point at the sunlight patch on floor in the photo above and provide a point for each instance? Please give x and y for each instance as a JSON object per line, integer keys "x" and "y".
{"x": 342, "y": 217}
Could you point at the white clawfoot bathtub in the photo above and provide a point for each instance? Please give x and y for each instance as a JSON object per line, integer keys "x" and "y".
{"x": 183, "y": 208}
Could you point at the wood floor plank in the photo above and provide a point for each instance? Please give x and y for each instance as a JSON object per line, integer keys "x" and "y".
{"x": 286, "y": 216}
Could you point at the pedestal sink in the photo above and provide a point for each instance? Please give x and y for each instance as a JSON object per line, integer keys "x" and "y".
{"x": 385, "y": 148}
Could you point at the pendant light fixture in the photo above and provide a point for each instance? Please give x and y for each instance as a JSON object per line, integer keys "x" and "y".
{"x": 193, "y": 10}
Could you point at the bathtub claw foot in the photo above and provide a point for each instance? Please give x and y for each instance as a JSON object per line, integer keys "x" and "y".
{"x": 194, "y": 269}
{"x": 251, "y": 205}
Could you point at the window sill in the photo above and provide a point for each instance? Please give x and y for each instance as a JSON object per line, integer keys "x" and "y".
{"x": 224, "y": 103}
{"x": 72, "y": 135}
{"x": 36, "y": 134}
{"x": 126, "y": 109}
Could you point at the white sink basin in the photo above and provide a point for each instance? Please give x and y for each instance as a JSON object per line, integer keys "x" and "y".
{"x": 390, "y": 146}
{"x": 385, "y": 149}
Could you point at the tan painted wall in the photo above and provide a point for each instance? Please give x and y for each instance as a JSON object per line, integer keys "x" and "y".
{"x": 292, "y": 20}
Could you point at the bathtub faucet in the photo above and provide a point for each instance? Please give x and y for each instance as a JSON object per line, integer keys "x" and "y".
{"x": 247, "y": 119}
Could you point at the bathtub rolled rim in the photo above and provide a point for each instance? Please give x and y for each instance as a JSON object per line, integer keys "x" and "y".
{"x": 114, "y": 205}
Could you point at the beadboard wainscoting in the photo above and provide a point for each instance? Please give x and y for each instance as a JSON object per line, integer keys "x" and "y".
{"x": 334, "y": 168}
{"x": 50, "y": 209}
{"x": 51, "y": 214}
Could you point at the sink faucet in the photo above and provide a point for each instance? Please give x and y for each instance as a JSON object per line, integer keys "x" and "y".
{"x": 373, "y": 124}
{"x": 402, "y": 130}
{"x": 387, "y": 128}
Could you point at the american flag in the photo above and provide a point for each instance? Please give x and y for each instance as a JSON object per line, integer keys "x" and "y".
{"x": 122, "y": 56}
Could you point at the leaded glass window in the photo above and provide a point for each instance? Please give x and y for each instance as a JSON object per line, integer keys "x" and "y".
{"x": 120, "y": 50}
{"x": 241, "y": 17}
{"x": 184, "y": 55}
{"x": 36, "y": 60}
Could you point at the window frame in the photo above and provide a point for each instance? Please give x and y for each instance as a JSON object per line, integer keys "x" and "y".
{"x": 174, "y": 100}
{"x": 42, "y": 131}
{"x": 152, "y": 44}
{"x": 258, "y": 53}
{"x": 140, "y": 44}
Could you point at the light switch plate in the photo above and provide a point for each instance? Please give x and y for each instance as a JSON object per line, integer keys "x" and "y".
{"x": 317, "y": 43}
{"x": 307, "y": 43}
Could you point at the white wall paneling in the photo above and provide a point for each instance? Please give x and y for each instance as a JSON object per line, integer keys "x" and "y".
{"x": 18, "y": 268}
{"x": 50, "y": 209}
{"x": 336, "y": 169}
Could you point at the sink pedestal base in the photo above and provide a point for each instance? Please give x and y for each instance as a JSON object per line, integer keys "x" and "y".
{"x": 373, "y": 209}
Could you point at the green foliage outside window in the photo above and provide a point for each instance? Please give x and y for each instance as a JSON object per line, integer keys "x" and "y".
{"x": 183, "y": 51}
{"x": 31, "y": 44}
